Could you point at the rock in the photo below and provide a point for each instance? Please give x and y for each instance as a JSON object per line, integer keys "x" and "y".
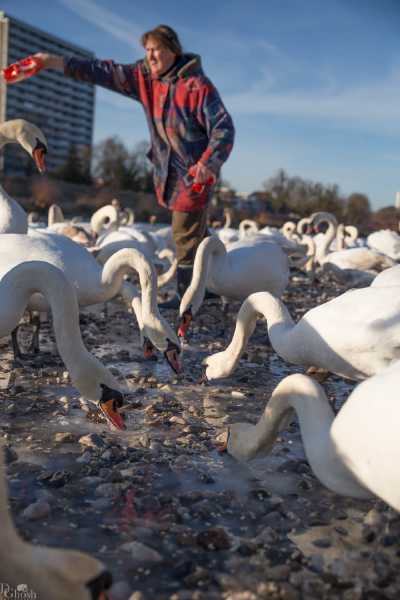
{"x": 141, "y": 553}
{"x": 85, "y": 458}
{"x": 92, "y": 440}
{"x": 373, "y": 518}
{"x": 238, "y": 395}
{"x": 37, "y": 510}
{"x": 64, "y": 438}
{"x": 120, "y": 590}
{"x": 214, "y": 538}
{"x": 322, "y": 543}
{"x": 109, "y": 490}
{"x": 136, "y": 596}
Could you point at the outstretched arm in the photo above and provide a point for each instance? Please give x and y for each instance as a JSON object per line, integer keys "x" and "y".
{"x": 113, "y": 76}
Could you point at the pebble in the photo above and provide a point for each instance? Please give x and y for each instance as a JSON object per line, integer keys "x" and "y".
{"x": 238, "y": 395}
{"x": 37, "y": 510}
{"x": 141, "y": 553}
{"x": 322, "y": 543}
{"x": 92, "y": 440}
{"x": 64, "y": 437}
{"x": 120, "y": 590}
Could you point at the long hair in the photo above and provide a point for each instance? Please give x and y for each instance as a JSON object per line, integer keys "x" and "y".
{"x": 166, "y": 36}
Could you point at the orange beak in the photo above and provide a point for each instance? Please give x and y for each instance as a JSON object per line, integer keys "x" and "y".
{"x": 148, "y": 349}
{"x": 185, "y": 323}
{"x": 38, "y": 157}
{"x": 110, "y": 411}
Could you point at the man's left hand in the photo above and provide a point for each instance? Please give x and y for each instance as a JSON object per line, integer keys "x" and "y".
{"x": 201, "y": 174}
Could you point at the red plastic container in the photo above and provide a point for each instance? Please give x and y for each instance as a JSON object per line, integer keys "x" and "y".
{"x": 24, "y": 68}
{"x": 198, "y": 188}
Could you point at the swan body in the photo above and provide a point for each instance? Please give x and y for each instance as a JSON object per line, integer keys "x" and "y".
{"x": 355, "y": 335}
{"x": 386, "y": 242}
{"x": 387, "y": 278}
{"x": 93, "y": 283}
{"x": 13, "y": 218}
{"x": 356, "y": 453}
{"x": 361, "y": 258}
{"x": 235, "y": 272}
{"x": 49, "y": 573}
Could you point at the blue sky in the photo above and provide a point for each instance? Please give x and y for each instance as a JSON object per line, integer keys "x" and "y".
{"x": 313, "y": 85}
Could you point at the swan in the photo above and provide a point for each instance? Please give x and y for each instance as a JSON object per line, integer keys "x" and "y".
{"x": 361, "y": 258}
{"x": 13, "y": 218}
{"x": 88, "y": 375}
{"x": 95, "y": 283}
{"x": 105, "y": 219}
{"x": 247, "y": 227}
{"x": 234, "y": 272}
{"x": 355, "y": 453}
{"x": 387, "y": 278}
{"x": 127, "y": 235}
{"x": 385, "y": 241}
{"x": 355, "y": 335}
{"x": 48, "y": 573}
{"x": 57, "y": 224}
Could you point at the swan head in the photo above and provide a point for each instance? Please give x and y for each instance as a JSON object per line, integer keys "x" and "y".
{"x": 171, "y": 355}
{"x": 240, "y": 442}
{"x": 217, "y": 366}
{"x": 184, "y": 323}
{"x": 32, "y": 139}
{"x": 148, "y": 349}
{"x": 80, "y": 574}
{"x": 109, "y": 403}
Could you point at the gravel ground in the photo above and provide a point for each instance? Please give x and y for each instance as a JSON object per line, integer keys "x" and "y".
{"x": 170, "y": 516}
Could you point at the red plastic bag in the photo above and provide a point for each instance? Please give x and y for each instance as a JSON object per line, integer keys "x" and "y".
{"x": 199, "y": 187}
{"x": 26, "y": 67}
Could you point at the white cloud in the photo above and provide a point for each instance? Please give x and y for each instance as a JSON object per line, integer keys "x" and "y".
{"x": 108, "y": 21}
{"x": 374, "y": 105}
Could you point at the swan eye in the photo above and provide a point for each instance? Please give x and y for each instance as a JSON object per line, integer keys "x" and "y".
{"x": 99, "y": 584}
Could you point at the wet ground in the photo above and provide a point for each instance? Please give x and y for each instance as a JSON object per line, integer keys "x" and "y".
{"x": 169, "y": 515}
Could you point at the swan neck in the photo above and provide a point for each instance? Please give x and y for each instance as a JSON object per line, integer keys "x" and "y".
{"x": 209, "y": 248}
{"x": 124, "y": 262}
{"x": 279, "y": 322}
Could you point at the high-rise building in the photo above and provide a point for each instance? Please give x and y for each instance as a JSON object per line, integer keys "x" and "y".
{"x": 397, "y": 203}
{"x": 61, "y": 107}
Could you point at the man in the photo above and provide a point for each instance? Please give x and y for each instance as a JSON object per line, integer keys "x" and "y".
{"x": 191, "y": 132}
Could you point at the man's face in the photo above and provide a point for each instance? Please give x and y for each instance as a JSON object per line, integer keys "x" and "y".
{"x": 159, "y": 57}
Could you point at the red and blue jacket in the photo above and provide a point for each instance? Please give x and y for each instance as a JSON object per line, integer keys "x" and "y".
{"x": 186, "y": 117}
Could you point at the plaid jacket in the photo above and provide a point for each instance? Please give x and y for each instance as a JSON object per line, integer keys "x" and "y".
{"x": 186, "y": 117}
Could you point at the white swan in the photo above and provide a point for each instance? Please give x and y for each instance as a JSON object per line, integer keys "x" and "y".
{"x": 56, "y": 223}
{"x": 385, "y": 241}
{"x": 49, "y": 573}
{"x": 361, "y": 258}
{"x": 95, "y": 283}
{"x": 234, "y": 272}
{"x": 13, "y": 218}
{"x": 105, "y": 219}
{"x": 354, "y": 335}
{"x": 387, "y": 278}
{"x": 87, "y": 373}
{"x": 355, "y": 454}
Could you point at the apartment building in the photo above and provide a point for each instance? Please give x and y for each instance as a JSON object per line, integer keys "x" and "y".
{"x": 61, "y": 107}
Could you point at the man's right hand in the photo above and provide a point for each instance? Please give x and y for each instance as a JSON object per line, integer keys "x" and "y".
{"x": 51, "y": 61}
